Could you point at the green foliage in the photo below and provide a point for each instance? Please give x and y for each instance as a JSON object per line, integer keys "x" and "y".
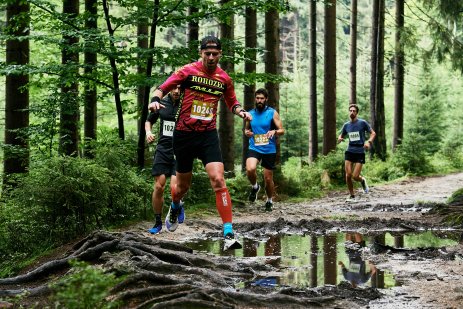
{"x": 457, "y": 197}
{"x": 379, "y": 171}
{"x": 426, "y": 119}
{"x": 452, "y": 150}
{"x": 64, "y": 197}
{"x": 86, "y": 287}
{"x": 299, "y": 179}
{"x": 412, "y": 157}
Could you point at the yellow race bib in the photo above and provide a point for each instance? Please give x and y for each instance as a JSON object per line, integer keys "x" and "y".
{"x": 202, "y": 110}
{"x": 260, "y": 139}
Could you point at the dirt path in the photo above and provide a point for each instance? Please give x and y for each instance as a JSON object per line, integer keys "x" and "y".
{"x": 407, "y": 200}
{"x": 426, "y": 283}
{"x": 160, "y": 272}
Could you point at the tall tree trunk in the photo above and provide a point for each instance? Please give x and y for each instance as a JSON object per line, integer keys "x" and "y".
{"x": 398, "y": 76}
{"x": 115, "y": 73}
{"x": 16, "y": 90}
{"x": 353, "y": 53}
{"x": 329, "y": 97}
{"x": 226, "y": 118}
{"x": 374, "y": 65}
{"x": 249, "y": 68}
{"x": 69, "y": 112}
{"x": 193, "y": 29}
{"x": 272, "y": 62}
{"x": 142, "y": 44}
{"x": 90, "y": 94}
{"x": 378, "y": 116}
{"x": 149, "y": 68}
{"x": 313, "y": 126}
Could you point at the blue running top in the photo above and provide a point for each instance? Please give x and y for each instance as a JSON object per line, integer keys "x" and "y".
{"x": 261, "y": 123}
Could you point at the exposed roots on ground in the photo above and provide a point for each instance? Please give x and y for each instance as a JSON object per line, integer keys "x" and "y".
{"x": 162, "y": 274}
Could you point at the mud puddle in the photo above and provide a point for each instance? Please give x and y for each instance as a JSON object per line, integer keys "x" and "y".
{"x": 301, "y": 261}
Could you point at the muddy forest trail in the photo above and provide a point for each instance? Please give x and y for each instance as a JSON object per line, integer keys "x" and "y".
{"x": 163, "y": 271}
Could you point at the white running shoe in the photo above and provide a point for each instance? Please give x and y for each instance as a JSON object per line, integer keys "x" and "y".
{"x": 351, "y": 199}
{"x": 172, "y": 219}
{"x": 365, "y": 187}
{"x": 231, "y": 243}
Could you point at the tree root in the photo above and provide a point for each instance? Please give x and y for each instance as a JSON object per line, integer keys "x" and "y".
{"x": 157, "y": 274}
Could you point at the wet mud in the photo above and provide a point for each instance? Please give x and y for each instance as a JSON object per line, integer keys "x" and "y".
{"x": 322, "y": 253}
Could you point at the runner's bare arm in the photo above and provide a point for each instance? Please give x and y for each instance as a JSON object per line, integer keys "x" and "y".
{"x": 155, "y": 104}
{"x": 279, "y": 124}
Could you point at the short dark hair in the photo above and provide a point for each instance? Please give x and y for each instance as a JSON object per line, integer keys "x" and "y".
{"x": 211, "y": 41}
{"x": 354, "y": 106}
{"x": 262, "y": 91}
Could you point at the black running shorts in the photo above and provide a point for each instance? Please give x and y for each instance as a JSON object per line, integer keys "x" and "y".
{"x": 268, "y": 159}
{"x": 354, "y": 157}
{"x": 164, "y": 163}
{"x": 190, "y": 145}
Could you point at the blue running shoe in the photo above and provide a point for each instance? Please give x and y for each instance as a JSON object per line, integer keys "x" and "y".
{"x": 156, "y": 229}
{"x": 172, "y": 219}
{"x": 181, "y": 215}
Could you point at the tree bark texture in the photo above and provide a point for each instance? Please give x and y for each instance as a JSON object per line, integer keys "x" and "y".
{"x": 249, "y": 68}
{"x": 353, "y": 53}
{"x": 272, "y": 63}
{"x": 90, "y": 92}
{"x": 329, "y": 97}
{"x": 378, "y": 120}
{"x": 146, "y": 95}
{"x": 69, "y": 111}
{"x": 313, "y": 113}
{"x": 16, "y": 92}
{"x": 399, "y": 72}
{"x": 226, "y": 117}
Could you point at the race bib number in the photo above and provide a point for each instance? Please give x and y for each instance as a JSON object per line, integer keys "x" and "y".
{"x": 168, "y": 128}
{"x": 354, "y": 136}
{"x": 202, "y": 110}
{"x": 260, "y": 139}
{"x": 354, "y": 267}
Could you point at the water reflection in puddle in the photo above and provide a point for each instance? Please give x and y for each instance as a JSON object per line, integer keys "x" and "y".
{"x": 314, "y": 260}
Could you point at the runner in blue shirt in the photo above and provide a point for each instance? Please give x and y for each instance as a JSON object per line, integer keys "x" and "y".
{"x": 262, "y": 131}
{"x": 356, "y": 130}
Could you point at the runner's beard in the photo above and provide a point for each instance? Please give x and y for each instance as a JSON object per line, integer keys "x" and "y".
{"x": 260, "y": 106}
{"x": 352, "y": 116}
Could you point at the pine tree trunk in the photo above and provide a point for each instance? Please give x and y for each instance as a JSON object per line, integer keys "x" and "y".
{"x": 313, "y": 125}
{"x": 146, "y": 97}
{"x": 329, "y": 98}
{"x": 378, "y": 121}
{"x": 16, "y": 91}
{"x": 249, "y": 68}
{"x": 272, "y": 63}
{"x": 193, "y": 29}
{"x": 398, "y": 77}
{"x": 90, "y": 93}
{"x": 226, "y": 117}
{"x": 353, "y": 53}
{"x": 69, "y": 112}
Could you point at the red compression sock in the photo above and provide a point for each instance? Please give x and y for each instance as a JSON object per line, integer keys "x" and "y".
{"x": 224, "y": 205}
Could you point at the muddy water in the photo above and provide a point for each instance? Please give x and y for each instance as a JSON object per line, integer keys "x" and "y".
{"x": 315, "y": 260}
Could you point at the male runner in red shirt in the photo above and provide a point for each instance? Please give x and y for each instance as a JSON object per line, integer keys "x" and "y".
{"x": 203, "y": 83}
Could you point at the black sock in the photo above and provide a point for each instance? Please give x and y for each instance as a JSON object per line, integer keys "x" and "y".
{"x": 157, "y": 219}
